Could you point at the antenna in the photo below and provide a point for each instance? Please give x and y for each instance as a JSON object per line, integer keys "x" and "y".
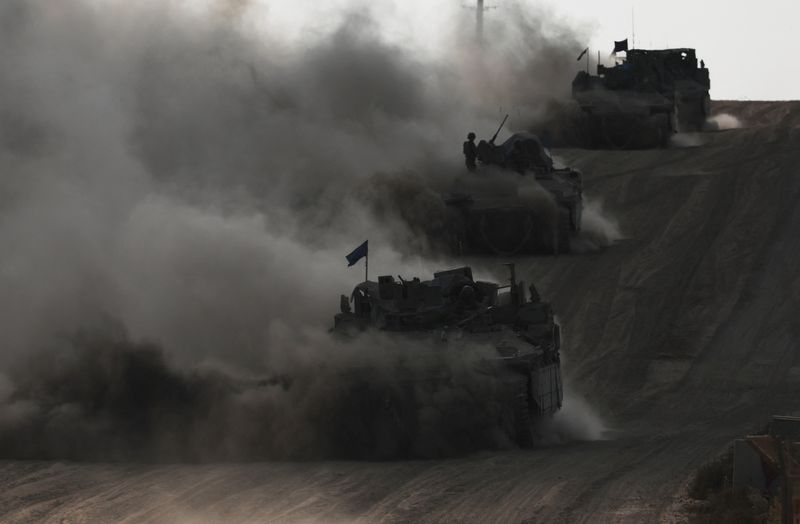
{"x": 479, "y": 21}
{"x": 479, "y": 10}
{"x": 633, "y": 27}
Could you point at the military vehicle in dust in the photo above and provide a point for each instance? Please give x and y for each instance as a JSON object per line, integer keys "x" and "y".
{"x": 507, "y": 223}
{"x": 455, "y": 309}
{"x": 642, "y": 101}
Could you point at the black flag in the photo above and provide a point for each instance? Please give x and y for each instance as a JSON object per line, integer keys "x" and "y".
{"x": 620, "y": 46}
{"x": 358, "y": 253}
{"x": 583, "y": 53}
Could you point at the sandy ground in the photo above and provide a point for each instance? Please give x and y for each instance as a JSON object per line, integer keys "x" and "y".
{"x": 681, "y": 337}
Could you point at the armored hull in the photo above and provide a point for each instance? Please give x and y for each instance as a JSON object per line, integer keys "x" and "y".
{"x": 520, "y": 203}
{"x": 643, "y": 101}
{"x": 454, "y": 312}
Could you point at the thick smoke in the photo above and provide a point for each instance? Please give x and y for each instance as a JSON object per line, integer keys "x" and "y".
{"x": 527, "y": 66}
{"x": 171, "y": 177}
{"x": 97, "y": 395}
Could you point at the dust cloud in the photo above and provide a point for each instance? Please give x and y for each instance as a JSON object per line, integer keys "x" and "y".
{"x": 599, "y": 229}
{"x": 177, "y": 197}
{"x": 576, "y": 421}
{"x": 686, "y": 140}
{"x": 96, "y": 395}
{"x": 722, "y": 122}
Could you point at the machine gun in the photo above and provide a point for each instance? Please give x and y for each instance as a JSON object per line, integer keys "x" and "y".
{"x": 498, "y": 130}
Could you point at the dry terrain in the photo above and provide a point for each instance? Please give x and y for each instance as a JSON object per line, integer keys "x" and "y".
{"x": 681, "y": 337}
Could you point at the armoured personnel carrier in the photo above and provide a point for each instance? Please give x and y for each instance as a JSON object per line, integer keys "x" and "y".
{"x": 505, "y": 222}
{"x": 643, "y": 100}
{"x": 456, "y": 310}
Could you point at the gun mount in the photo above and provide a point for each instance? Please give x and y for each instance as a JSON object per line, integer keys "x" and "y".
{"x": 499, "y": 128}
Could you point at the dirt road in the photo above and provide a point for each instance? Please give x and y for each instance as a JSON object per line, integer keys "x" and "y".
{"x": 682, "y": 336}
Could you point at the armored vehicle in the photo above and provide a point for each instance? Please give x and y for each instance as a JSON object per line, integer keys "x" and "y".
{"x": 643, "y": 100}
{"x": 509, "y": 222}
{"x": 456, "y": 310}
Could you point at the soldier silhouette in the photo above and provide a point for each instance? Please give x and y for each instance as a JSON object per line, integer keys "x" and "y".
{"x": 470, "y": 152}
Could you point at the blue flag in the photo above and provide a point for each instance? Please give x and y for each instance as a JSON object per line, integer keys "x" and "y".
{"x": 357, "y": 254}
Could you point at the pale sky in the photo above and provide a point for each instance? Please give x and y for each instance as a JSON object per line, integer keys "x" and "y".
{"x": 750, "y": 47}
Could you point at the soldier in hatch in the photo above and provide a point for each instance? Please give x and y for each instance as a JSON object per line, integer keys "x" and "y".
{"x": 470, "y": 152}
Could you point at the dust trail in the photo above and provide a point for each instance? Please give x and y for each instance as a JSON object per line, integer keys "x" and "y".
{"x": 722, "y": 122}
{"x": 195, "y": 185}
{"x": 599, "y": 230}
{"x": 686, "y": 140}
{"x": 577, "y": 421}
{"x": 99, "y": 396}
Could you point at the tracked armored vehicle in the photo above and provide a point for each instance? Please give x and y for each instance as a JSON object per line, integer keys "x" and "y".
{"x": 454, "y": 310}
{"x": 643, "y": 101}
{"x": 509, "y": 220}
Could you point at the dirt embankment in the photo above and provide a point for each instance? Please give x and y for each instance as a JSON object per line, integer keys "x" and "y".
{"x": 682, "y": 336}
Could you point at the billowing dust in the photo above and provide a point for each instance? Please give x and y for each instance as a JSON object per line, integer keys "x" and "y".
{"x": 178, "y": 193}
